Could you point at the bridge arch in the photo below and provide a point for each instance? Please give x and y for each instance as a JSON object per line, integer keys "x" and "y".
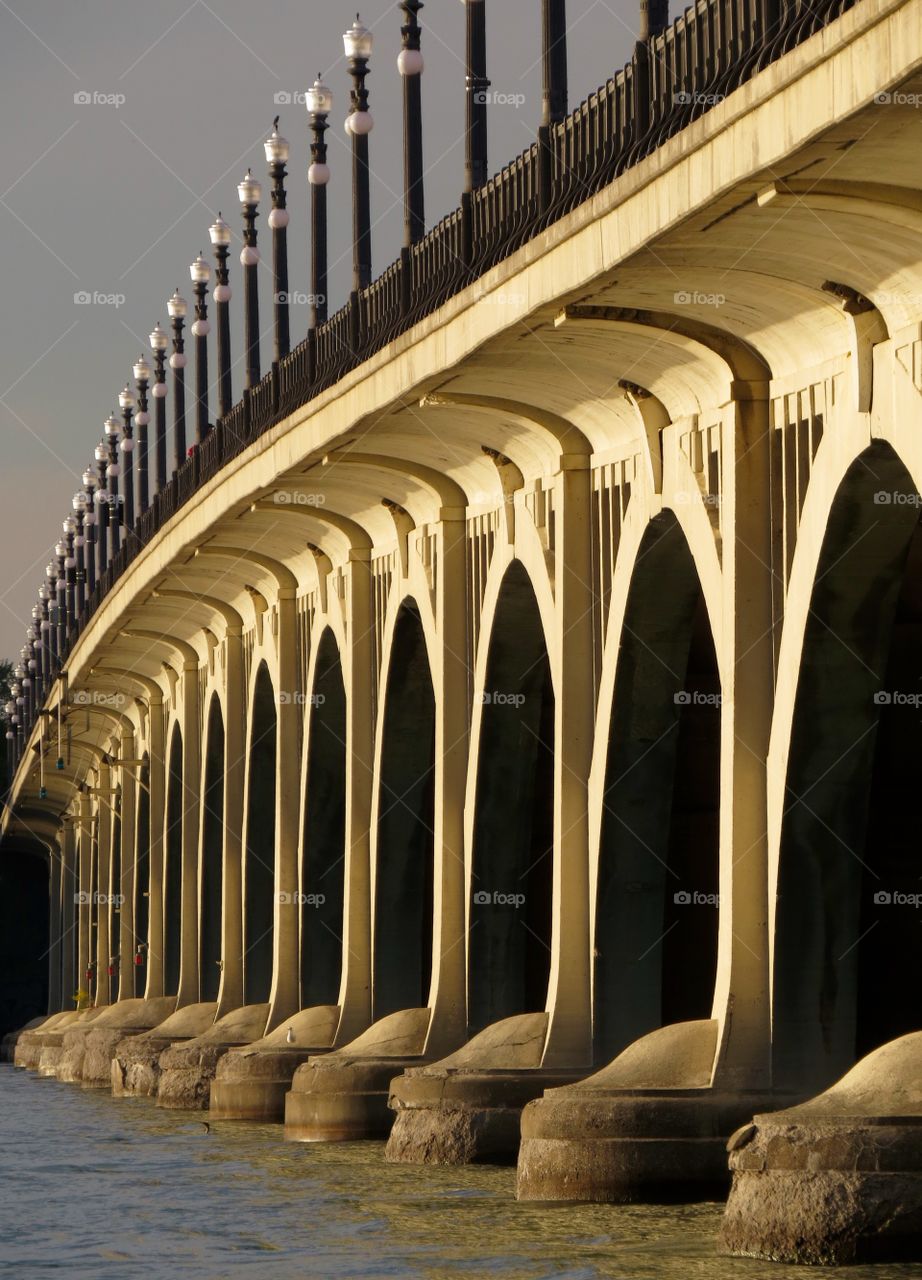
{"x": 172, "y": 864}
{"x": 324, "y": 830}
{"x": 657, "y": 775}
{"x": 211, "y": 870}
{"x": 403, "y": 805}
{"x": 259, "y": 843}
{"x": 512, "y": 840}
{"x": 848, "y": 827}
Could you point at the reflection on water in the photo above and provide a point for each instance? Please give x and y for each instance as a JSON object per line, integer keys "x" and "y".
{"x": 96, "y": 1187}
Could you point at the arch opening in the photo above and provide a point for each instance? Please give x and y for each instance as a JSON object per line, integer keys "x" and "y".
{"x": 513, "y": 843}
{"x": 657, "y": 914}
{"x": 259, "y": 856}
{"x": 142, "y": 879}
{"x": 172, "y": 888}
{"x": 116, "y": 959}
{"x": 847, "y": 925}
{"x": 405, "y": 818}
{"x": 211, "y": 887}
{"x": 323, "y": 865}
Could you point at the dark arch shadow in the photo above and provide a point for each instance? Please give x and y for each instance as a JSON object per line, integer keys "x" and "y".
{"x": 656, "y": 920}
{"x": 115, "y": 894}
{"x": 259, "y": 856}
{"x": 142, "y": 878}
{"x": 24, "y": 937}
{"x": 211, "y": 894}
{"x": 845, "y": 943}
{"x": 403, "y": 883}
{"x": 323, "y": 872}
{"x": 513, "y": 847}
{"x": 172, "y": 889}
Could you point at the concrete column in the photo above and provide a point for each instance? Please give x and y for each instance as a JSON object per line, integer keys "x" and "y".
{"x": 157, "y": 784}
{"x": 129, "y": 850}
{"x": 358, "y": 676}
{"x": 191, "y": 803}
{"x": 286, "y": 961}
{"x": 448, "y": 1027}
{"x": 103, "y": 882}
{"x": 742, "y": 998}
{"x": 69, "y": 912}
{"x": 84, "y": 889}
{"x": 54, "y": 928}
{"x": 569, "y": 1040}
{"x": 231, "y": 990}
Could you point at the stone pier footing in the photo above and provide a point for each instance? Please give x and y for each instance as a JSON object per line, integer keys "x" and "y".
{"x": 187, "y": 1070}
{"x": 468, "y": 1106}
{"x": 648, "y": 1127}
{"x": 53, "y": 1042}
{"x": 251, "y": 1083}
{"x": 838, "y": 1179}
{"x": 343, "y": 1095}
{"x": 87, "y": 1053}
{"x": 11, "y": 1039}
{"x": 25, "y": 1046}
{"x": 135, "y": 1065}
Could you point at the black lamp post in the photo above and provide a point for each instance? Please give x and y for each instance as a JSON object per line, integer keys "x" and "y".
{"x": 277, "y": 157}
{"x": 249, "y": 192}
{"x": 38, "y": 649}
{"x": 654, "y": 18}
{"x": 358, "y": 42}
{"x": 101, "y": 499}
{"x": 79, "y": 506}
{"x": 59, "y": 586}
{"x": 554, "y": 60}
{"x": 177, "y": 308}
{"x": 141, "y": 371}
{"x": 126, "y": 445}
{"x": 410, "y": 65}
{"x": 70, "y": 572}
{"x": 319, "y": 104}
{"x": 159, "y": 341}
{"x": 48, "y": 595}
{"x": 220, "y": 235}
{"x": 475, "y": 155}
{"x": 90, "y": 522}
{"x": 201, "y": 274}
{"x": 112, "y": 473}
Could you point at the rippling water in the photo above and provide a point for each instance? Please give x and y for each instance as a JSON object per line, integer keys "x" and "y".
{"x": 96, "y": 1187}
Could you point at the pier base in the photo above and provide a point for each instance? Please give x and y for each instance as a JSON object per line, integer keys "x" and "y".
{"x": 468, "y": 1106}
{"x": 135, "y": 1065}
{"x": 343, "y": 1095}
{"x": 187, "y": 1070}
{"x": 251, "y": 1083}
{"x": 87, "y": 1051}
{"x": 11, "y": 1039}
{"x": 53, "y": 1042}
{"x": 26, "y": 1048}
{"x": 839, "y": 1178}
{"x": 648, "y": 1127}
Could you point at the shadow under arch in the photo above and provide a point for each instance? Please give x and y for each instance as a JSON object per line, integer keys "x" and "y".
{"x": 656, "y": 913}
{"x": 115, "y": 899}
{"x": 844, "y": 942}
{"x": 172, "y": 867}
{"x": 212, "y": 869}
{"x": 513, "y": 837}
{"x": 324, "y": 861}
{"x": 259, "y": 855}
{"x": 142, "y": 878}
{"x": 405, "y": 818}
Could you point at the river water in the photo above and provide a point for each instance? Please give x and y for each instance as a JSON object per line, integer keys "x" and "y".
{"x": 98, "y": 1188}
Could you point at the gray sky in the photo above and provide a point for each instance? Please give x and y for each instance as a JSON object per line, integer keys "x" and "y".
{"x": 115, "y": 197}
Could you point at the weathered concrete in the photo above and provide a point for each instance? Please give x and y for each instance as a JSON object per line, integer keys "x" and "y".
{"x": 251, "y": 1083}
{"x": 52, "y": 1042}
{"x": 646, "y": 1127}
{"x": 187, "y": 1070}
{"x": 26, "y": 1046}
{"x": 128, "y": 1018}
{"x": 11, "y": 1039}
{"x": 467, "y": 1107}
{"x": 135, "y": 1066}
{"x": 839, "y": 1178}
{"x": 343, "y": 1096}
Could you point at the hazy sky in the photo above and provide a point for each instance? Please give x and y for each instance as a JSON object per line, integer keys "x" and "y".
{"x": 113, "y": 197}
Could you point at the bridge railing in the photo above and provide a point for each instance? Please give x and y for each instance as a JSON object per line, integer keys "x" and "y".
{"x": 672, "y": 79}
